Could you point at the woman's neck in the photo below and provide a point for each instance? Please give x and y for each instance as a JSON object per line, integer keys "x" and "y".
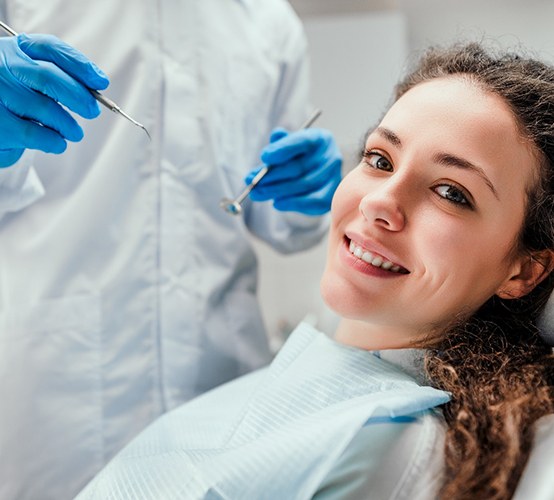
{"x": 373, "y": 337}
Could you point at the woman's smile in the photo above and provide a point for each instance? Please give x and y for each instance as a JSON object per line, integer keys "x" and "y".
{"x": 369, "y": 261}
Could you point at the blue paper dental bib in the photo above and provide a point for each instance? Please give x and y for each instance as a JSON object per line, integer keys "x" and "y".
{"x": 274, "y": 434}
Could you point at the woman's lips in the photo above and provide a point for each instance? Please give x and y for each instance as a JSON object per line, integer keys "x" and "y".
{"x": 371, "y": 262}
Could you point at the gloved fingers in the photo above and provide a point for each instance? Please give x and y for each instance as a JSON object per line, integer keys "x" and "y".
{"x": 19, "y": 133}
{"x": 277, "y": 134}
{"x": 305, "y": 170}
{"x": 9, "y": 156}
{"x": 28, "y": 104}
{"x": 296, "y": 144}
{"x": 287, "y": 171}
{"x": 316, "y": 203}
{"x": 50, "y": 80}
{"x": 70, "y": 60}
{"x": 307, "y": 183}
{"x": 16, "y": 66}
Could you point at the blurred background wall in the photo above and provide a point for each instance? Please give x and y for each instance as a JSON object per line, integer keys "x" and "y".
{"x": 358, "y": 49}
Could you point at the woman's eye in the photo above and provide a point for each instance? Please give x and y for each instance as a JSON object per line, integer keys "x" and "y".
{"x": 377, "y": 161}
{"x": 453, "y": 194}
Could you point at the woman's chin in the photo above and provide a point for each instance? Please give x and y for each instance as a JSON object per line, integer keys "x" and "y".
{"x": 341, "y": 301}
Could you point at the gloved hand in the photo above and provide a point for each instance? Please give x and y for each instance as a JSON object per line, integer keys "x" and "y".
{"x": 38, "y": 74}
{"x": 305, "y": 170}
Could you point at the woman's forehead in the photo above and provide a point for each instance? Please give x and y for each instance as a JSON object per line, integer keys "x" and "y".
{"x": 458, "y": 117}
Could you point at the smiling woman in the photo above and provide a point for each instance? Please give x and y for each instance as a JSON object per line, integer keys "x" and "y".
{"x": 455, "y": 186}
{"x": 422, "y": 200}
{"x": 440, "y": 258}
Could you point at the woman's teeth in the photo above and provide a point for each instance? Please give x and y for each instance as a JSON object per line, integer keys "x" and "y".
{"x": 374, "y": 260}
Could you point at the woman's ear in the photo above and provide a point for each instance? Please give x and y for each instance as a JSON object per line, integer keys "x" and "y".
{"x": 529, "y": 271}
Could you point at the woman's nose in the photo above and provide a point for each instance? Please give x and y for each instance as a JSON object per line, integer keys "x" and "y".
{"x": 383, "y": 207}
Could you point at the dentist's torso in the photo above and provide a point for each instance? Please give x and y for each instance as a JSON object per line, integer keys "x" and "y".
{"x": 125, "y": 290}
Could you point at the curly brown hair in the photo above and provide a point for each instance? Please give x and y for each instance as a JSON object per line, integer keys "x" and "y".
{"x": 496, "y": 365}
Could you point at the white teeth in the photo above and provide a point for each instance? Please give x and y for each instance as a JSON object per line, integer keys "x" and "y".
{"x": 377, "y": 261}
{"x": 374, "y": 260}
{"x": 367, "y": 257}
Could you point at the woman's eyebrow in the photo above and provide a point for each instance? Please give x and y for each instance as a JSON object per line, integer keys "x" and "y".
{"x": 449, "y": 160}
{"x": 390, "y": 136}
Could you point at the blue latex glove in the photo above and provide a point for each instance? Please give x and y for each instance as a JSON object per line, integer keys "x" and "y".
{"x": 39, "y": 74}
{"x": 305, "y": 171}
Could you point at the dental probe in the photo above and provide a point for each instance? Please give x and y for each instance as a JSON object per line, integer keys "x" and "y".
{"x": 234, "y": 207}
{"x": 102, "y": 99}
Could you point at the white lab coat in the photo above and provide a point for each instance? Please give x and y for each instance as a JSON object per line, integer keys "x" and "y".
{"x": 124, "y": 289}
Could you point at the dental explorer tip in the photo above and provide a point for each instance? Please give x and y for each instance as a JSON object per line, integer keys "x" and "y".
{"x": 117, "y": 109}
{"x": 144, "y": 128}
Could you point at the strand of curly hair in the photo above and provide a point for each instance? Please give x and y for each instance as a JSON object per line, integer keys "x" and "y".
{"x": 501, "y": 382}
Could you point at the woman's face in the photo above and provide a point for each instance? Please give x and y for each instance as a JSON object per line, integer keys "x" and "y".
{"x": 424, "y": 228}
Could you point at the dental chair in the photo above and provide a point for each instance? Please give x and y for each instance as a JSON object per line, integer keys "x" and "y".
{"x": 537, "y": 481}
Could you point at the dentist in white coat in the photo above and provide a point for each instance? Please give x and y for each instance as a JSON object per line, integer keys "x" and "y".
{"x": 124, "y": 289}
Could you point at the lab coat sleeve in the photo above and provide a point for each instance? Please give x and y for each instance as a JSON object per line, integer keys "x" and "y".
{"x": 288, "y": 232}
{"x": 20, "y": 185}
